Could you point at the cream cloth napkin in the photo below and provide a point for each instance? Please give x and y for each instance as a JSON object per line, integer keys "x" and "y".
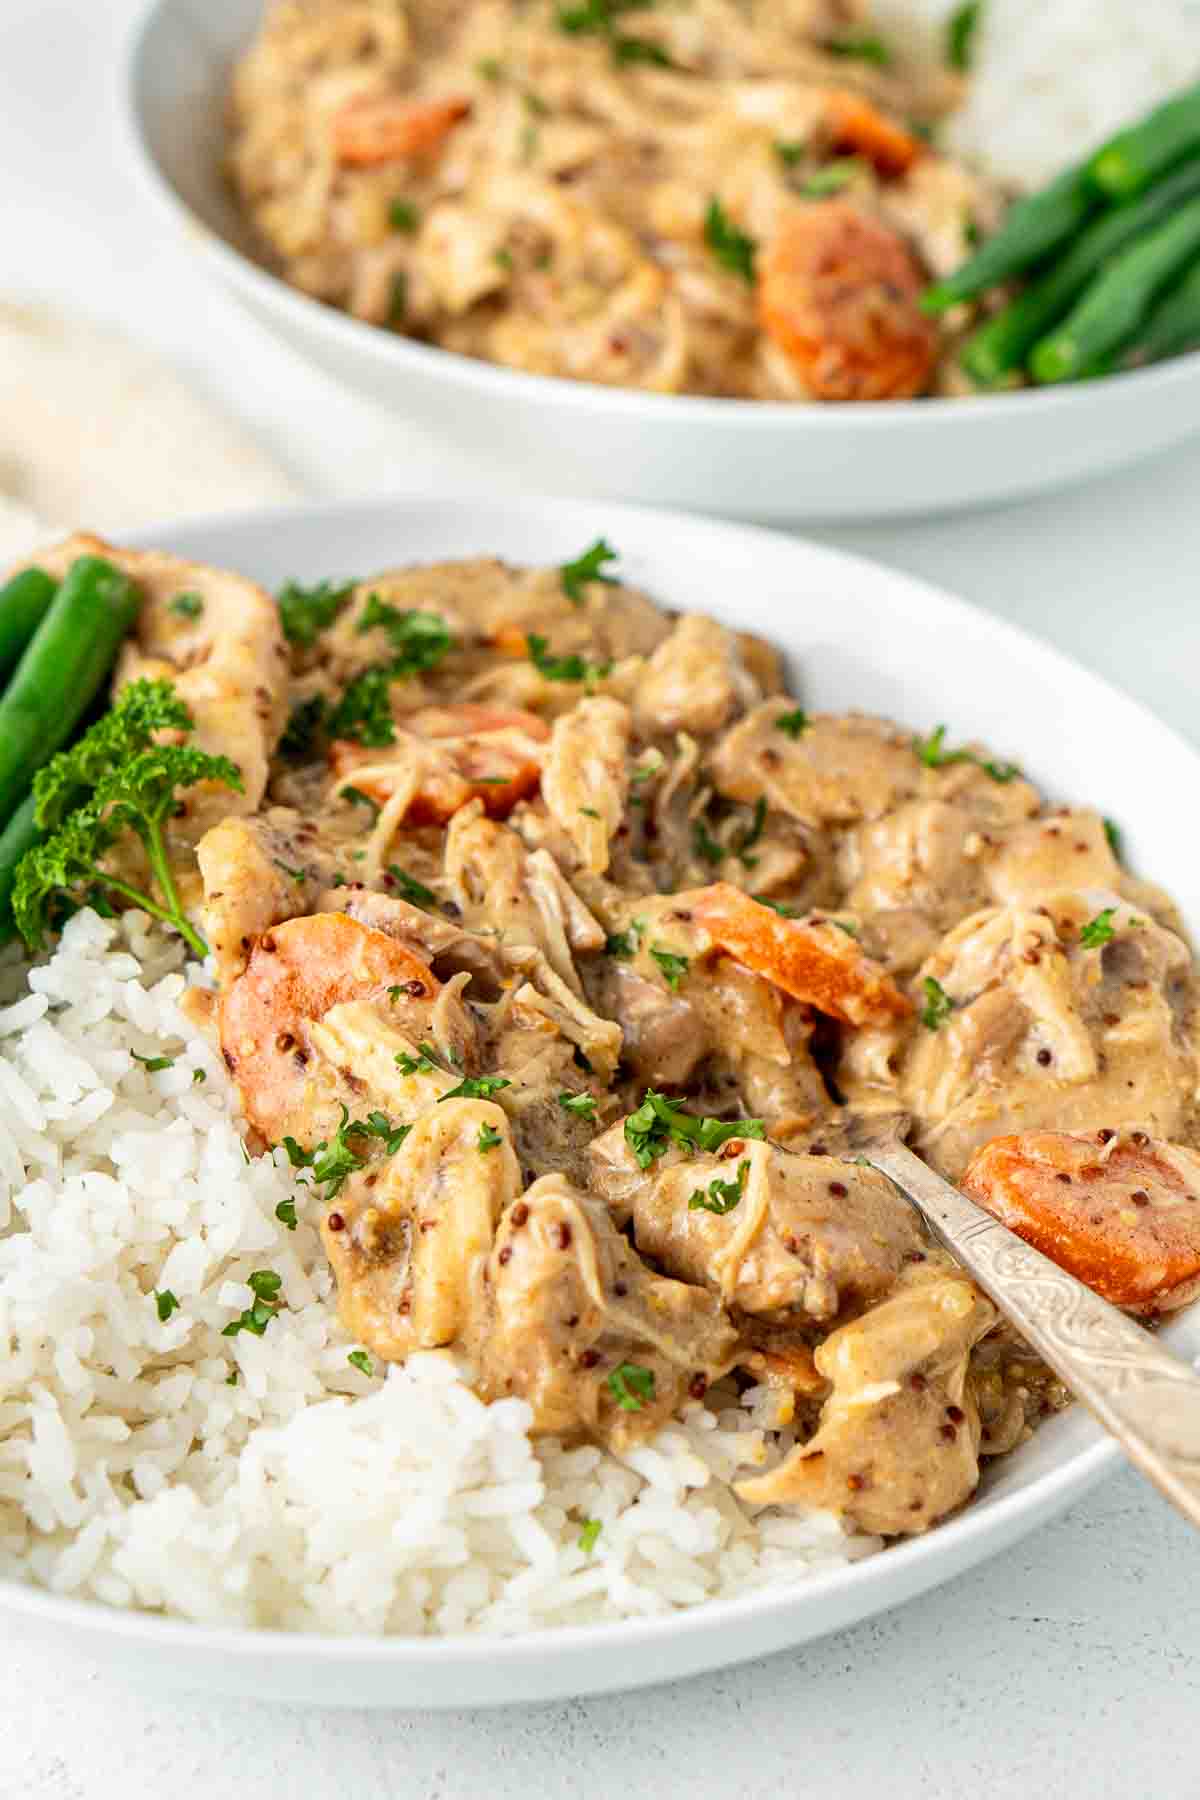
{"x": 97, "y": 433}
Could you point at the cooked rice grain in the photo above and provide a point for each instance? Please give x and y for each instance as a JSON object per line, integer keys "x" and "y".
{"x": 305, "y": 1495}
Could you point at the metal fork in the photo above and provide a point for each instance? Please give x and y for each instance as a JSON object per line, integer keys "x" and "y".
{"x": 1146, "y": 1397}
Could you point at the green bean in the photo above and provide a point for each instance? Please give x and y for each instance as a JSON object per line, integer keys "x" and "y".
{"x": 1033, "y": 227}
{"x": 19, "y": 835}
{"x": 23, "y": 604}
{"x": 1135, "y": 157}
{"x": 1111, "y": 309}
{"x": 1174, "y": 324}
{"x": 69, "y": 656}
{"x": 1005, "y": 340}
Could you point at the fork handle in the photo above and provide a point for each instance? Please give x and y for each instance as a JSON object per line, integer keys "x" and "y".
{"x": 1146, "y": 1397}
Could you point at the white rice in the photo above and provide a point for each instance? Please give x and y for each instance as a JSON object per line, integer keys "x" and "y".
{"x": 1051, "y": 79}
{"x": 307, "y": 1495}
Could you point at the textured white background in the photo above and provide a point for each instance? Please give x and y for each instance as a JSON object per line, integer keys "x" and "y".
{"x": 1072, "y": 1667}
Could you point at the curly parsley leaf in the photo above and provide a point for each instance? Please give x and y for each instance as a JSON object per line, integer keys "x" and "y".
{"x": 419, "y": 639}
{"x": 305, "y": 612}
{"x": 285, "y": 1212}
{"x": 673, "y": 966}
{"x": 488, "y": 1139}
{"x": 731, "y": 247}
{"x": 750, "y": 836}
{"x": 187, "y": 606}
{"x": 658, "y": 1123}
{"x": 631, "y": 1386}
{"x": 795, "y": 724}
{"x": 477, "y": 1087}
{"x": 961, "y": 27}
{"x": 1112, "y": 832}
{"x": 563, "y": 668}
{"x": 866, "y": 48}
{"x": 364, "y": 711}
{"x": 1098, "y": 931}
{"x": 932, "y": 752}
{"x": 582, "y": 1106}
{"x": 588, "y": 1536}
{"x": 165, "y": 1303}
{"x": 264, "y": 1284}
{"x": 358, "y": 1359}
{"x": 152, "y": 1064}
{"x": 720, "y": 1197}
{"x": 624, "y": 944}
{"x": 705, "y": 845}
{"x": 938, "y": 1004}
{"x": 410, "y": 888}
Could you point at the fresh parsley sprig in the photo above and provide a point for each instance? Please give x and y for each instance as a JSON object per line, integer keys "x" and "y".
{"x": 731, "y": 247}
{"x": 575, "y": 576}
{"x": 657, "y": 1124}
{"x": 117, "y": 778}
{"x": 563, "y": 668}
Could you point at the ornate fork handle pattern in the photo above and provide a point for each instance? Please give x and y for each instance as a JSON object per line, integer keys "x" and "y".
{"x": 1148, "y": 1398}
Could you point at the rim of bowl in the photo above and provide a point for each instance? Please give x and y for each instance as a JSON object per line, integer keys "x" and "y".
{"x": 431, "y": 360}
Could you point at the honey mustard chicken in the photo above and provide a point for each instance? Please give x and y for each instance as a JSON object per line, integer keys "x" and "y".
{"x": 562, "y": 951}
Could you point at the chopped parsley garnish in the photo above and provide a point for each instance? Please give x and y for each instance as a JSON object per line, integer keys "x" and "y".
{"x": 833, "y": 178}
{"x": 305, "y": 612}
{"x": 358, "y": 798}
{"x": 639, "y": 50}
{"x": 960, "y": 34}
{"x": 358, "y": 1359}
{"x": 378, "y": 1125}
{"x": 938, "y": 1004}
{"x": 477, "y": 1087}
{"x": 1112, "y": 832}
{"x": 657, "y": 1124}
{"x": 705, "y": 845}
{"x": 420, "y": 639}
{"x": 563, "y": 668}
{"x": 721, "y": 1196}
{"x": 1099, "y": 930}
{"x": 794, "y": 723}
{"x": 332, "y": 1160}
{"x": 931, "y": 751}
{"x": 867, "y": 48}
{"x": 575, "y": 576}
{"x": 264, "y": 1284}
{"x": 285, "y": 1212}
{"x": 403, "y": 216}
{"x": 299, "y": 876}
{"x": 398, "y": 299}
{"x": 165, "y": 1304}
{"x": 731, "y": 247}
{"x": 790, "y": 154}
{"x": 598, "y": 18}
{"x": 197, "y": 1076}
{"x": 503, "y": 259}
{"x": 231, "y": 1380}
{"x": 779, "y": 906}
{"x": 407, "y": 1063}
{"x": 645, "y": 772}
{"x": 631, "y": 1386}
{"x": 582, "y": 1105}
{"x": 624, "y": 944}
{"x": 752, "y": 833}
{"x": 588, "y": 1536}
{"x": 303, "y": 726}
{"x": 187, "y": 606}
{"x": 364, "y": 711}
{"x": 844, "y": 925}
{"x": 673, "y": 966}
{"x": 490, "y": 68}
{"x": 410, "y": 888}
{"x": 488, "y": 1139}
{"x": 589, "y": 812}
{"x": 116, "y": 778}
{"x": 152, "y": 1064}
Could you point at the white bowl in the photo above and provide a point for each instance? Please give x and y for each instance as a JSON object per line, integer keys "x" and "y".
{"x": 736, "y": 457}
{"x": 856, "y": 634}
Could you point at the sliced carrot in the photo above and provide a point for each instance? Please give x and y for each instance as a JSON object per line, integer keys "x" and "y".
{"x": 858, "y": 128}
{"x": 813, "y": 961}
{"x": 480, "y": 756}
{"x": 383, "y": 128}
{"x": 296, "y": 972}
{"x": 1122, "y": 1217}
{"x": 838, "y": 292}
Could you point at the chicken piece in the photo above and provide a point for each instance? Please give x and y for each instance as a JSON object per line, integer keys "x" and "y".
{"x": 228, "y": 663}
{"x": 838, "y": 293}
{"x": 442, "y": 758}
{"x": 1048, "y": 856}
{"x": 382, "y": 128}
{"x": 297, "y": 973}
{"x": 409, "y": 1244}
{"x": 519, "y": 894}
{"x": 898, "y": 1443}
{"x": 558, "y": 1008}
{"x": 582, "y": 1330}
{"x": 809, "y": 1237}
{"x": 812, "y": 960}
{"x": 663, "y": 1042}
{"x": 585, "y": 778}
{"x": 1075, "y": 1014}
{"x": 1118, "y": 1211}
{"x": 696, "y": 681}
{"x": 257, "y": 873}
{"x": 837, "y": 770}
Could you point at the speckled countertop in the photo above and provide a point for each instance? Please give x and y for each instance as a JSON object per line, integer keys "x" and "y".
{"x": 1069, "y": 1668}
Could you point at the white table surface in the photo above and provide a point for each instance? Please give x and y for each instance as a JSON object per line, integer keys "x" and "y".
{"x": 1072, "y": 1666}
